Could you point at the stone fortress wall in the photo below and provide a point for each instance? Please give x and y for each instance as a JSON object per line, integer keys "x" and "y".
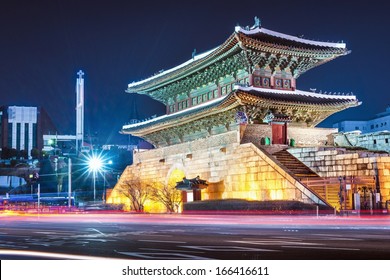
{"x": 335, "y": 162}
{"x": 233, "y": 170}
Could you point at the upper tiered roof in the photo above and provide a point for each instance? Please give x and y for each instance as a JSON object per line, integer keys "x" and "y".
{"x": 250, "y": 47}
{"x": 252, "y": 73}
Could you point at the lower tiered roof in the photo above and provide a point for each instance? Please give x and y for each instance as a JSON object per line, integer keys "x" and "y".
{"x": 302, "y": 107}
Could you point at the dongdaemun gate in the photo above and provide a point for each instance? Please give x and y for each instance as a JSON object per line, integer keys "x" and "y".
{"x": 236, "y": 119}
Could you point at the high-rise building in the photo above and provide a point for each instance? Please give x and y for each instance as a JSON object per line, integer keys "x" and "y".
{"x": 22, "y": 128}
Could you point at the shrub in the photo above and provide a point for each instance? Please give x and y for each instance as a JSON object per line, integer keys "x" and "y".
{"x": 241, "y": 206}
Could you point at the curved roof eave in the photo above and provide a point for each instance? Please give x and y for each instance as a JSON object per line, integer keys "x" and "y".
{"x": 312, "y": 99}
{"x": 187, "y": 68}
{"x": 204, "y": 59}
{"x": 262, "y": 30}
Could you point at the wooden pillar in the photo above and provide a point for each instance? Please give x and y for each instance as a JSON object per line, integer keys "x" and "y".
{"x": 293, "y": 84}
{"x": 197, "y": 194}
{"x": 183, "y": 196}
{"x": 250, "y": 78}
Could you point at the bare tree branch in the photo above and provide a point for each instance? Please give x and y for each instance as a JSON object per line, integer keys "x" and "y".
{"x": 136, "y": 192}
{"x": 168, "y": 195}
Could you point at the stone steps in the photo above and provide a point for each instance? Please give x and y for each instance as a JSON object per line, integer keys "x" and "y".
{"x": 330, "y": 193}
{"x": 293, "y": 164}
{"x": 301, "y": 171}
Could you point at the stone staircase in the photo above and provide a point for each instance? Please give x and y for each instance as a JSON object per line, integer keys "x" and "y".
{"x": 324, "y": 187}
{"x": 299, "y": 169}
{"x": 328, "y": 191}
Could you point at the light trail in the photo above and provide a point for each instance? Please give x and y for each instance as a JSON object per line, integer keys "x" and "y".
{"x": 290, "y": 222}
{"x": 43, "y": 255}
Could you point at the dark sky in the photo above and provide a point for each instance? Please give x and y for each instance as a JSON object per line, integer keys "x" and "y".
{"x": 43, "y": 43}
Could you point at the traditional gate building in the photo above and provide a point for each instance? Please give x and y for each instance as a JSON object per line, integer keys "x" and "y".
{"x": 229, "y": 109}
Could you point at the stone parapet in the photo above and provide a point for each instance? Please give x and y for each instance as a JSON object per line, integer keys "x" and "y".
{"x": 303, "y": 136}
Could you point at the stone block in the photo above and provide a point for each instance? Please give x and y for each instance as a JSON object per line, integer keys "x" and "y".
{"x": 253, "y": 170}
{"x": 309, "y": 158}
{"x": 340, "y": 157}
{"x": 328, "y": 157}
{"x": 251, "y": 177}
{"x": 384, "y": 159}
{"x": 362, "y": 166}
{"x": 252, "y": 164}
{"x": 347, "y": 161}
{"x": 351, "y": 167}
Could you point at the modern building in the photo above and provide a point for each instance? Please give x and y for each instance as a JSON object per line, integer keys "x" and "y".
{"x": 373, "y": 134}
{"x": 231, "y": 113}
{"x": 380, "y": 123}
{"x": 22, "y": 128}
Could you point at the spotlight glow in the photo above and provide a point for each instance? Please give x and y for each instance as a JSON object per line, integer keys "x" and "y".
{"x": 95, "y": 163}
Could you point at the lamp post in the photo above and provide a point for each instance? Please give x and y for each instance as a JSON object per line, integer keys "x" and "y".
{"x": 341, "y": 193}
{"x": 69, "y": 182}
{"x": 95, "y": 165}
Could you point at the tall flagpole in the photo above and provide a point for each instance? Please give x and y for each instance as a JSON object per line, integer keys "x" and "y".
{"x": 79, "y": 110}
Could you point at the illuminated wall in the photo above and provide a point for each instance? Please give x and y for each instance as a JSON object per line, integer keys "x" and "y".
{"x": 231, "y": 169}
{"x": 335, "y": 162}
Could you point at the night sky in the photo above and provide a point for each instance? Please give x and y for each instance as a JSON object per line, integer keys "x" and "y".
{"x": 43, "y": 43}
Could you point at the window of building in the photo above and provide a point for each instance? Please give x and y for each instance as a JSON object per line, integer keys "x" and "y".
{"x": 194, "y": 101}
{"x": 215, "y": 93}
{"x": 224, "y": 90}
{"x": 356, "y": 128}
{"x": 286, "y": 83}
{"x": 387, "y": 140}
{"x": 199, "y": 99}
{"x": 257, "y": 81}
{"x": 1, "y": 128}
{"x": 184, "y": 104}
{"x": 278, "y": 83}
{"x": 18, "y": 135}
{"x": 210, "y": 94}
{"x": 35, "y": 135}
{"x": 26, "y": 134}
{"x": 372, "y": 126}
{"x": 10, "y": 132}
{"x": 204, "y": 97}
{"x": 229, "y": 88}
{"x": 374, "y": 141}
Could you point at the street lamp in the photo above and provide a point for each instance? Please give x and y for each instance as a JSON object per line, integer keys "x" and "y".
{"x": 95, "y": 165}
{"x": 340, "y": 193}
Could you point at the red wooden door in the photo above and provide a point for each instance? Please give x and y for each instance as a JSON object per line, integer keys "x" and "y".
{"x": 279, "y": 133}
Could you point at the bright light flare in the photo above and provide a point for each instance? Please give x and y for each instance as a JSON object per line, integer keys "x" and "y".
{"x": 95, "y": 163}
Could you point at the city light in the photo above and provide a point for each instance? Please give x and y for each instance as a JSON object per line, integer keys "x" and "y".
{"x": 95, "y": 165}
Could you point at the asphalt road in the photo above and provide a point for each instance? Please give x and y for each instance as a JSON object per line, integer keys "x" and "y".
{"x": 193, "y": 237}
